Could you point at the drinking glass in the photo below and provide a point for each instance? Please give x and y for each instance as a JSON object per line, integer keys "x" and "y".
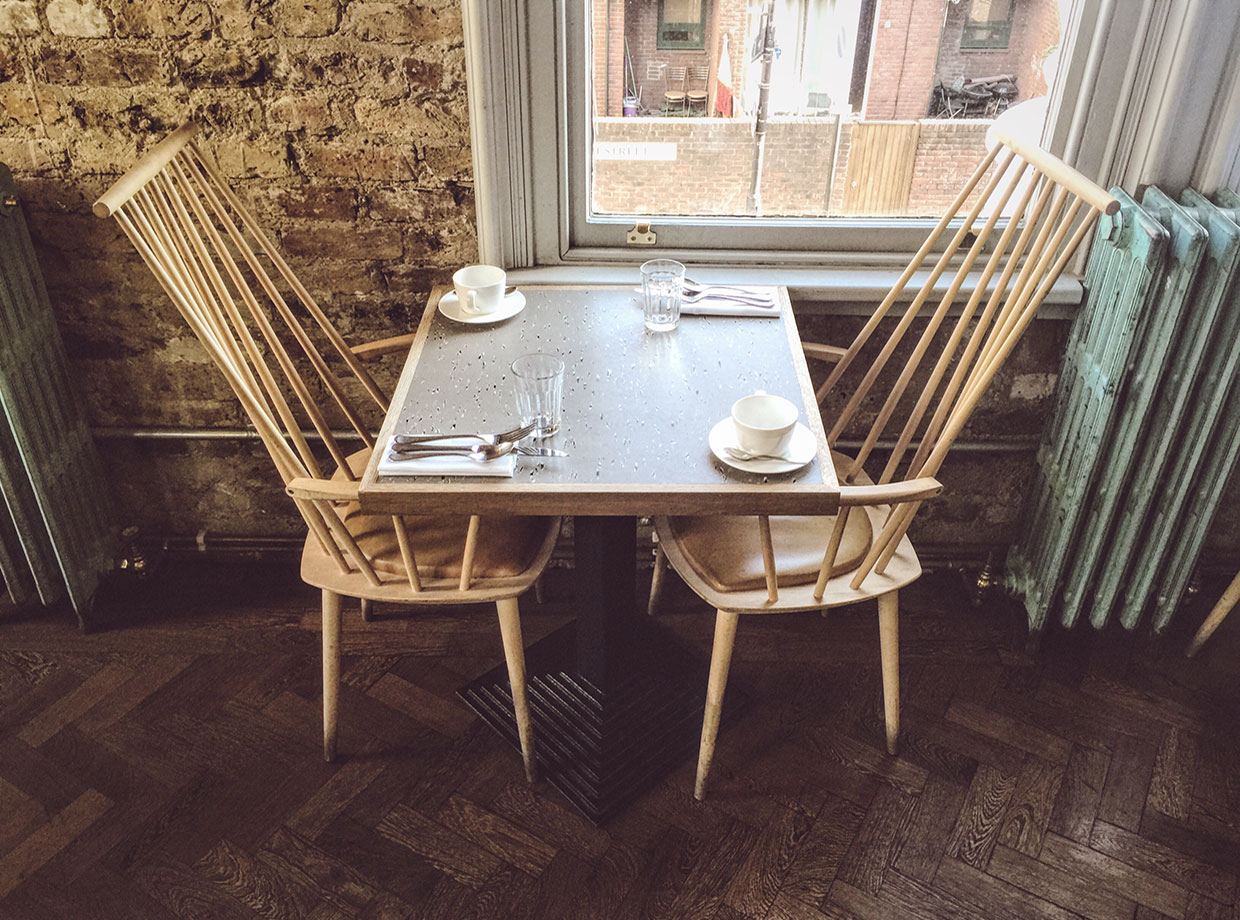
{"x": 662, "y": 283}
{"x": 539, "y": 381}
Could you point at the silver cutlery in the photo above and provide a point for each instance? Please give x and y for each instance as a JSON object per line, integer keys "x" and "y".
{"x": 515, "y": 434}
{"x": 482, "y": 453}
{"x": 737, "y": 453}
{"x": 695, "y": 287}
{"x": 753, "y": 300}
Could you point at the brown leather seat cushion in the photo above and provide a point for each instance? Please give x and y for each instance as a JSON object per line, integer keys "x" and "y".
{"x": 507, "y": 544}
{"x": 726, "y": 552}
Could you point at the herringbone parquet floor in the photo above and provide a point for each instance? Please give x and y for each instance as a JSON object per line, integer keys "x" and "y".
{"x": 171, "y": 768}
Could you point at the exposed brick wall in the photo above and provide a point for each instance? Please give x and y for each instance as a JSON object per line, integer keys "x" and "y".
{"x": 714, "y": 164}
{"x": 712, "y": 171}
{"x": 917, "y": 44}
{"x": 1035, "y": 30}
{"x": 905, "y": 50}
{"x": 947, "y": 154}
{"x": 343, "y": 122}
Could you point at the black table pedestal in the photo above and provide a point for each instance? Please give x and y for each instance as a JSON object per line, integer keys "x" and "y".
{"x": 616, "y": 701}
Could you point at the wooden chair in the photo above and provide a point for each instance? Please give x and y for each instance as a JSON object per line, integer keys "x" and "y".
{"x": 696, "y": 91}
{"x": 1002, "y": 270}
{"x": 229, "y": 283}
{"x": 674, "y": 95}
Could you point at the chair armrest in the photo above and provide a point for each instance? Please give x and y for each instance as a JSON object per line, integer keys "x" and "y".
{"x": 892, "y": 493}
{"x": 322, "y": 490}
{"x": 383, "y": 346}
{"x": 823, "y": 352}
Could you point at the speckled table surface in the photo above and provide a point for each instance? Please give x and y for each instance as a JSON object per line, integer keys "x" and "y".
{"x": 638, "y": 407}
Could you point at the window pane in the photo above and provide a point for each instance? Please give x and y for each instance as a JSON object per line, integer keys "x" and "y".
{"x": 682, "y": 10}
{"x": 866, "y": 115}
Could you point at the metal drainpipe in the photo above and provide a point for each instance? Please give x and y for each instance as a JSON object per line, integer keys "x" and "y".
{"x": 205, "y": 542}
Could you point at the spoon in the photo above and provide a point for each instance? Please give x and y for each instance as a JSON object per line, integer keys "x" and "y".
{"x": 737, "y": 453}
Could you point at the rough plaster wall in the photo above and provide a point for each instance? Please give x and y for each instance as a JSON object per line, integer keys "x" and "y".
{"x": 342, "y": 122}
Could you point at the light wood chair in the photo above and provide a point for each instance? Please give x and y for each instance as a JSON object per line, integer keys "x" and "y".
{"x": 1000, "y": 269}
{"x": 231, "y": 285}
{"x": 696, "y": 90}
{"x": 674, "y": 96}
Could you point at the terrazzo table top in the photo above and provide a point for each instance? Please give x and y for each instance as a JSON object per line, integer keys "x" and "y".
{"x": 638, "y": 407}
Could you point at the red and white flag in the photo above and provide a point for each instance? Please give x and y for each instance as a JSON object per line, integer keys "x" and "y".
{"x": 723, "y": 82}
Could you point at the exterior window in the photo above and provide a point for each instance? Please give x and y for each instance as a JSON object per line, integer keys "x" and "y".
{"x": 824, "y": 152}
{"x": 989, "y": 25}
{"x": 682, "y": 25}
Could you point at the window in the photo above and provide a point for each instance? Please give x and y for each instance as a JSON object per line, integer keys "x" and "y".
{"x": 543, "y": 78}
{"x": 682, "y": 25}
{"x": 989, "y": 25}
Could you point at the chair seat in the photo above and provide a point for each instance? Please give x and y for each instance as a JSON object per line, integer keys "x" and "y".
{"x": 726, "y": 552}
{"x": 509, "y": 546}
{"x": 720, "y": 557}
{"x": 674, "y": 97}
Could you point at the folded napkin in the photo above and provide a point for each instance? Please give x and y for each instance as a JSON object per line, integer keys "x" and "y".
{"x": 718, "y": 306}
{"x": 445, "y": 465}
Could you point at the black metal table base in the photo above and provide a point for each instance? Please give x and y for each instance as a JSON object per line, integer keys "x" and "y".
{"x": 602, "y": 748}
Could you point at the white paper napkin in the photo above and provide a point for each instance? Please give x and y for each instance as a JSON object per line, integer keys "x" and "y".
{"x": 446, "y": 466}
{"x": 718, "y": 306}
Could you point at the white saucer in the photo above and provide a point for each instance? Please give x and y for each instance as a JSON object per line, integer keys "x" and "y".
{"x": 801, "y": 451}
{"x": 450, "y": 306}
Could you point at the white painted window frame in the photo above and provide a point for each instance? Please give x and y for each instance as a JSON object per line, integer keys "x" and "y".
{"x": 1129, "y": 108}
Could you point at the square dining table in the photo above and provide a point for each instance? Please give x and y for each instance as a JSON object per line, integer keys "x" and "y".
{"x": 616, "y": 701}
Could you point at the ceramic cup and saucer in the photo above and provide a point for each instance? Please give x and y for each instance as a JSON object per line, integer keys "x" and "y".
{"x": 478, "y": 296}
{"x": 763, "y": 424}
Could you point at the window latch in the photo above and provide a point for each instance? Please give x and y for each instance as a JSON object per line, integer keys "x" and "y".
{"x": 641, "y": 234}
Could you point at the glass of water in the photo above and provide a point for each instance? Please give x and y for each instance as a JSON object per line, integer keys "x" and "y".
{"x": 662, "y": 283}
{"x": 539, "y": 381}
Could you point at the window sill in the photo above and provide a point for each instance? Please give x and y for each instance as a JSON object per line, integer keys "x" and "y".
{"x": 841, "y": 292}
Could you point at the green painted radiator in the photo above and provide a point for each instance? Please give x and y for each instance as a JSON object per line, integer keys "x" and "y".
{"x": 1144, "y": 433}
{"x": 58, "y": 532}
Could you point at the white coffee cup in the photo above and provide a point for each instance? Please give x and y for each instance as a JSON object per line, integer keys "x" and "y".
{"x": 480, "y": 288}
{"x": 764, "y": 423}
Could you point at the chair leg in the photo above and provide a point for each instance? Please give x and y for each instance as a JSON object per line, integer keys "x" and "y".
{"x": 889, "y": 649}
{"x": 1224, "y": 606}
{"x": 514, "y": 655}
{"x": 368, "y": 610}
{"x": 720, "y": 663}
{"x": 331, "y": 672}
{"x": 656, "y": 580}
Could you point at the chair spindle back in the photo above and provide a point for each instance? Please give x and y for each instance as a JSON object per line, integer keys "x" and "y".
{"x": 1049, "y": 209}
{"x": 225, "y": 276}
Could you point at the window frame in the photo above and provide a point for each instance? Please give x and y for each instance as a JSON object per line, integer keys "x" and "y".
{"x": 1125, "y": 66}
{"x": 973, "y": 44}
{"x": 663, "y": 44}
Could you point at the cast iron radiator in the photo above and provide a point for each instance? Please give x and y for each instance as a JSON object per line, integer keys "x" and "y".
{"x": 57, "y": 531}
{"x": 1146, "y": 428}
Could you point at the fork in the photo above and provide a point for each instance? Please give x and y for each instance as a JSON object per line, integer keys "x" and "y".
{"x": 516, "y": 434}
{"x": 695, "y": 287}
{"x": 753, "y": 300}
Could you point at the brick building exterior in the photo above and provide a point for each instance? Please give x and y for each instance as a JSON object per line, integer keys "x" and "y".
{"x": 917, "y": 44}
{"x": 615, "y": 21}
{"x": 803, "y": 172}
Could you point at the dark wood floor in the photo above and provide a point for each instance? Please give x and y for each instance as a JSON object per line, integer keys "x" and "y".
{"x": 171, "y": 768}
